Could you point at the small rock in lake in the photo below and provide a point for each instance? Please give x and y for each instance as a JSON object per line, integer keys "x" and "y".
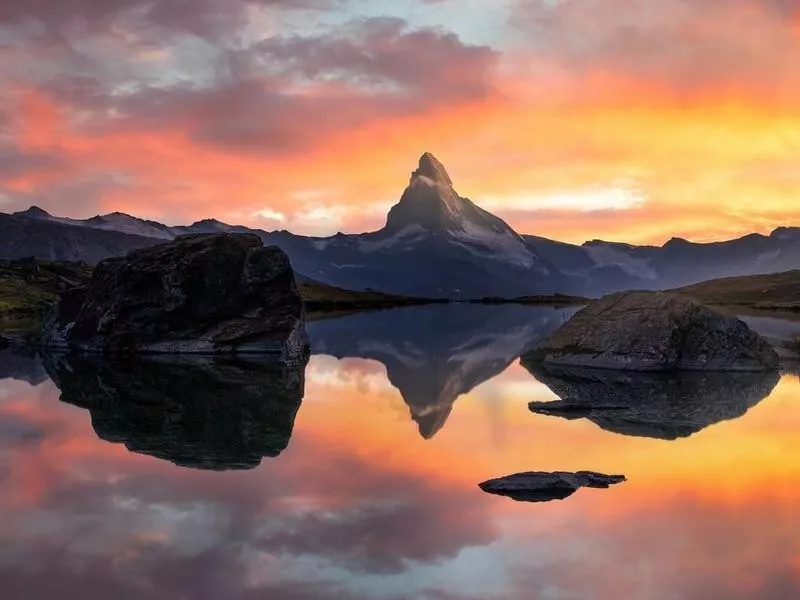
{"x": 544, "y": 487}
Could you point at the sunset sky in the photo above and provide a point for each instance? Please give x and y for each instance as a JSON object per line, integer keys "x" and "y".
{"x": 632, "y": 120}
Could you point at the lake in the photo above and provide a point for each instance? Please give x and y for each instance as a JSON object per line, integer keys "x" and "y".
{"x": 357, "y": 477}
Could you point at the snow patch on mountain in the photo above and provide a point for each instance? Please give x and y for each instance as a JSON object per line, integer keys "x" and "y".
{"x": 767, "y": 256}
{"x": 500, "y": 246}
{"x": 605, "y": 256}
{"x": 128, "y": 224}
{"x": 405, "y": 236}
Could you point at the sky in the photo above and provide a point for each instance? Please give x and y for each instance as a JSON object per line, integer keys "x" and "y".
{"x": 629, "y": 120}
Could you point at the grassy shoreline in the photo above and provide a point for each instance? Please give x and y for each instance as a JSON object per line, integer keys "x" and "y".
{"x": 775, "y": 292}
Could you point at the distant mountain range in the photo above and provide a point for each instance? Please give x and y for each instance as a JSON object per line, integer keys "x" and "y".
{"x": 435, "y": 243}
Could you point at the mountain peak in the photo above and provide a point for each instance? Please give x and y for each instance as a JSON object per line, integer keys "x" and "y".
{"x": 34, "y": 212}
{"x": 429, "y": 201}
{"x": 430, "y": 167}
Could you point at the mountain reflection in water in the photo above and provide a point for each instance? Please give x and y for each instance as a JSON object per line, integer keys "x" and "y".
{"x": 434, "y": 354}
{"x": 359, "y": 506}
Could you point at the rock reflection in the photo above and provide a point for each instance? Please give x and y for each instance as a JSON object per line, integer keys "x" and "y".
{"x": 434, "y": 354}
{"x": 662, "y": 406}
{"x": 207, "y": 413}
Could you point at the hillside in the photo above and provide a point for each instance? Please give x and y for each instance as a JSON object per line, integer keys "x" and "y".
{"x": 29, "y": 288}
{"x": 776, "y": 291}
{"x": 322, "y": 299}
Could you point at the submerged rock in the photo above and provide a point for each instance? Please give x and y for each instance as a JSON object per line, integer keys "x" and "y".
{"x": 654, "y": 331}
{"x": 544, "y": 487}
{"x": 212, "y": 413}
{"x": 656, "y": 405}
{"x": 197, "y": 294}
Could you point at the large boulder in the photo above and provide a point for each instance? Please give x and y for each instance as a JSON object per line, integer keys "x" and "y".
{"x": 654, "y": 331}
{"x": 197, "y": 294}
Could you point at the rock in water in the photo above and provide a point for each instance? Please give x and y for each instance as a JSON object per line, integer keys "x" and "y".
{"x": 4, "y": 342}
{"x": 544, "y": 487}
{"x": 654, "y": 331}
{"x": 197, "y": 294}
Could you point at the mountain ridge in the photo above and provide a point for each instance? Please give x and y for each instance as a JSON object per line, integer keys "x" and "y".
{"x": 435, "y": 243}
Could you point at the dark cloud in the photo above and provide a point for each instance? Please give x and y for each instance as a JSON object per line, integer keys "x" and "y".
{"x": 385, "y": 52}
{"x": 15, "y": 162}
{"x": 789, "y": 9}
{"x": 209, "y": 18}
{"x": 287, "y": 94}
{"x": 683, "y": 43}
{"x": 384, "y": 537}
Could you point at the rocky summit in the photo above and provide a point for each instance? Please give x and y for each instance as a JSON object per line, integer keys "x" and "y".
{"x": 544, "y": 487}
{"x": 197, "y": 294}
{"x": 652, "y": 331}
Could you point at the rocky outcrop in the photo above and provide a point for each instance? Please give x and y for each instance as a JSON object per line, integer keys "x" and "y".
{"x": 203, "y": 412}
{"x": 197, "y": 294}
{"x": 654, "y": 405}
{"x": 653, "y": 331}
{"x": 544, "y": 487}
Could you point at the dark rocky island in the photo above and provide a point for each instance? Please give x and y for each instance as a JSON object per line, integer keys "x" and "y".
{"x": 544, "y": 487}
{"x": 203, "y": 412}
{"x": 197, "y": 294}
{"x": 654, "y": 331}
{"x": 656, "y": 405}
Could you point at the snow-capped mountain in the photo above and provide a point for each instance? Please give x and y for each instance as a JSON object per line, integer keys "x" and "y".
{"x": 435, "y": 243}
{"x": 115, "y": 221}
{"x": 431, "y": 207}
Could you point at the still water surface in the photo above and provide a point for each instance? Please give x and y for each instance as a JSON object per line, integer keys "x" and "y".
{"x": 375, "y": 494}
